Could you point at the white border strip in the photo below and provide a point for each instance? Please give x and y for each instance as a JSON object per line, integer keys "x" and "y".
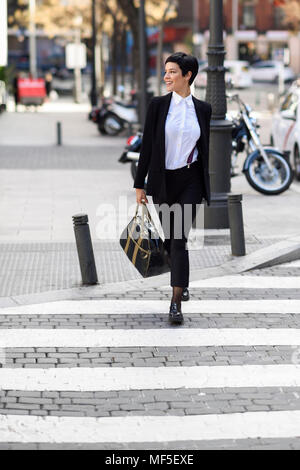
{"x": 146, "y": 307}
{"x": 83, "y": 379}
{"x": 77, "y": 338}
{"x": 52, "y": 429}
{"x": 249, "y": 282}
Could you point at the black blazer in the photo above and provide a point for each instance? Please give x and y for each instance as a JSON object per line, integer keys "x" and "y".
{"x": 152, "y": 155}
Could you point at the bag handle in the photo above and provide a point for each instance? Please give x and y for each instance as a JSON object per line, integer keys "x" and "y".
{"x": 145, "y": 211}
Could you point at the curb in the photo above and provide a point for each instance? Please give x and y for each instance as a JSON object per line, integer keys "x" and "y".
{"x": 277, "y": 253}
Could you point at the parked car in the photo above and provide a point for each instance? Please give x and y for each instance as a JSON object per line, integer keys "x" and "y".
{"x": 285, "y": 131}
{"x": 238, "y": 74}
{"x": 269, "y": 71}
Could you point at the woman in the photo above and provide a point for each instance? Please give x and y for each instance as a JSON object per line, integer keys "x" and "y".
{"x": 174, "y": 153}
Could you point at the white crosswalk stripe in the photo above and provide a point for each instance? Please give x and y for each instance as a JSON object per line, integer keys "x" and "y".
{"x": 170, "y": 337}
{"x": 150, "y": 378}
{"x": 276, "y": 424}
{"x": 250, "y": 282}
{"x": 140, "y": 429}
{"x": 146, "y": 307}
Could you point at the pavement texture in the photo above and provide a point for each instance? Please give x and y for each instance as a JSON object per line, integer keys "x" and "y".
{"x": 42, "y": 186}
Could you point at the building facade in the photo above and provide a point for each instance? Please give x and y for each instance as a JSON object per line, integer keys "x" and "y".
{"x": 253, "y": 29}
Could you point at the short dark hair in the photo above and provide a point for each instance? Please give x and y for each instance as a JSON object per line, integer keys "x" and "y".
{"x": 187, "y": 63}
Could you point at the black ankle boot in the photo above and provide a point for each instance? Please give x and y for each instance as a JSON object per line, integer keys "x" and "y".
{"x": 185, "y": 294}
{"x": 175, "y": 314}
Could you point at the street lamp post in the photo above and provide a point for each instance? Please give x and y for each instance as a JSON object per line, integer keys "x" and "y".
{"x": 195, "y": 27}
{"x": 94, "y": 100}
{"x": 216, "y": 215}
{"x": 143, "y": 63}
{"x": 77, "y": 69}
{"x": 32, "y": 39}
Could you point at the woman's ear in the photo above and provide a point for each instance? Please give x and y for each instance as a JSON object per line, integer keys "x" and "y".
{"x": 189, "y": 74}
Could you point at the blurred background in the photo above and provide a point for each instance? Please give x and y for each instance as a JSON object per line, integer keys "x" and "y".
{"x": 41, "y": 33}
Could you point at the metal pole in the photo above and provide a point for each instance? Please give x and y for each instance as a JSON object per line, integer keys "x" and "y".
{"x": 94, "y": 100}
{"x": 195, "y": 26}
{"x": 281, "y": 79}
{"x": 143, "y": 64}
{"x": 216, "y": 215}
{"x": 77, "y": 70}
{"x": 235, "y": 25}
{"x": 85, "y": 249}
{"x": 58, "y": 133}
{"x": 237, "y": 236}
{"x": 32, "y": 39}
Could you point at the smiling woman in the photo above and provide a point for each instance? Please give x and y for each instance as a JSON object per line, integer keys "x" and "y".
{"x": 174, "y": 154}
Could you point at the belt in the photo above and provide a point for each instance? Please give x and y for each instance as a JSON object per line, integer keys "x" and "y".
{"x": 184, "y": 167}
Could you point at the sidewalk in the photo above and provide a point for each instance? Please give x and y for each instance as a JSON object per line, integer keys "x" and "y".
{"x": 43, "y": 185}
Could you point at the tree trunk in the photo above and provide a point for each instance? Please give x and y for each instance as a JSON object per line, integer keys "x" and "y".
{"x": 159, "y": 57}
{"x": 114, "y": 58}
{"x": 160, "y": 42}
{"x": 132, "y": 15}
{"x": 123, "y": 59}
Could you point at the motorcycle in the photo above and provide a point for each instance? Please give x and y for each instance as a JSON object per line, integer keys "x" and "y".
{"x": 132, "y": 152}
{"x": 267, "y": 170}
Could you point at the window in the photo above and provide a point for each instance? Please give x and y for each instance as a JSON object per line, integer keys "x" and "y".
{"x": 249, "y": 14}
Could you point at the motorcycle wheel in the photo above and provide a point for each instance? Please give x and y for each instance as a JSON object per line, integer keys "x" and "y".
{"x": 101, "y": 128}
{"x": 133, "y": 169}
{"x": 112, "y": 125}
{"x": 259, "y": 178}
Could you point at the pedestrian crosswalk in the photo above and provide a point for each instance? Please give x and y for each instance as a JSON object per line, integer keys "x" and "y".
{"x": 165, "y": 337}
{"x": 46, "y": 400}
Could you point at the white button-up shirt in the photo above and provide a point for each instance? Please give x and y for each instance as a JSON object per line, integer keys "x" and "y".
{"x": 182, "y": 130}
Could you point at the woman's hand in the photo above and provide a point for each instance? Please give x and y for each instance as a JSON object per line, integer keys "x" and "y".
{"x": 141, "y": 196}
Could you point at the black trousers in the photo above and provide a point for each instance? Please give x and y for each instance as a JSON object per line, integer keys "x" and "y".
{"x": 176, "y": 215}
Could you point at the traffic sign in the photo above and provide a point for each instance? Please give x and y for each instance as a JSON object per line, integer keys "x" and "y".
{"x": 76, "y": 56}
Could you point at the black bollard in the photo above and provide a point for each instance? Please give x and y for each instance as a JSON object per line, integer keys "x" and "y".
{"x": 235, "y": 215}
{"x": 58, "y": 133}
{"x": 85, "y": 249}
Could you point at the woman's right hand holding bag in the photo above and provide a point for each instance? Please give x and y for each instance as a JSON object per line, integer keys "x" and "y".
{"x": 141, "y": 197}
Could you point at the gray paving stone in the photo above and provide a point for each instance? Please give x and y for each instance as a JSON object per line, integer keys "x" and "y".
{"x": 22, "y": 406}
{"x": 38, "y": 400}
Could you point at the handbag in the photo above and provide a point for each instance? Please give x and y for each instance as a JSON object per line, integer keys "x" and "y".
{"x": 143, "y": 246}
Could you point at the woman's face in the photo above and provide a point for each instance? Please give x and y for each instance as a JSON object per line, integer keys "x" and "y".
{"x": 174, "y": 79}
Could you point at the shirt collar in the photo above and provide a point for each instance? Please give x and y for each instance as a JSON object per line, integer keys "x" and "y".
{"x": 177, "y": 99}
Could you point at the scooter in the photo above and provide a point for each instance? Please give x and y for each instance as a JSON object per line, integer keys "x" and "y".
{"x": 114, "y": 116}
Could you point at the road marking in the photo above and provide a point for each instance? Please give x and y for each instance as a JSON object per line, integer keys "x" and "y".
{"x": 250, "y": 282}
{"x": 146, "y": 307}
{"x": 86, "y": 379}
{"x": 72, "y": 338}
{"x": 272, "y": 424}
